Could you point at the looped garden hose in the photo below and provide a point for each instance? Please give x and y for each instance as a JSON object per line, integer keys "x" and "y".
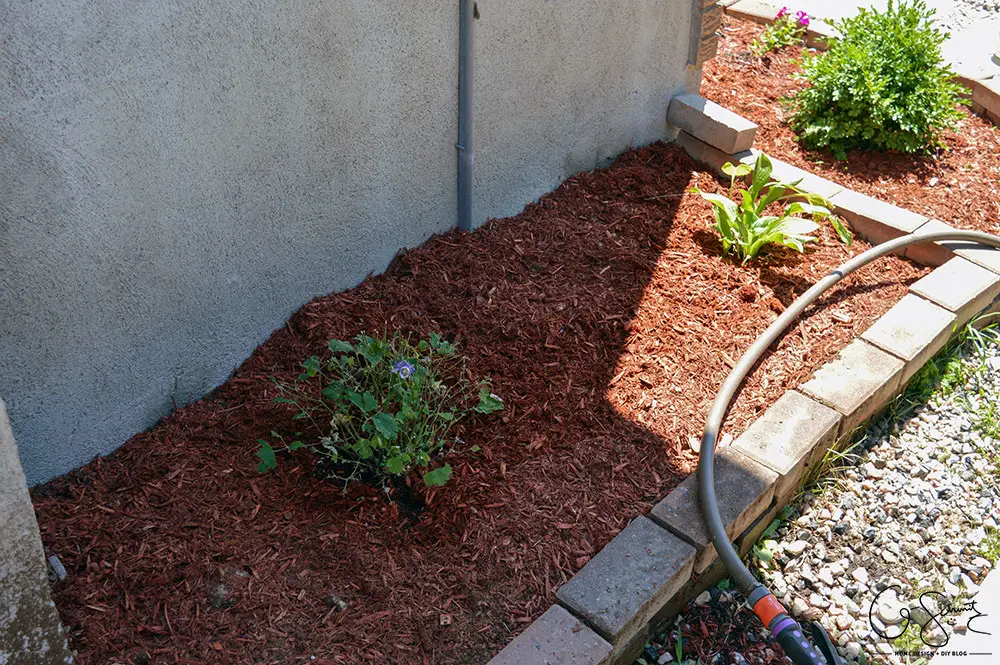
{"x": 786, "y": 631}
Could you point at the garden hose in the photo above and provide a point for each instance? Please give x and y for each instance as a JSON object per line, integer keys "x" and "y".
{"x": 786, "y": 631}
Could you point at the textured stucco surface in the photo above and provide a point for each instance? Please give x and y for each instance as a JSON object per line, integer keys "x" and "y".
{"x": 177, "y": 178}
{"x": 30, "y": 632}
{"x": 564, "y": 87}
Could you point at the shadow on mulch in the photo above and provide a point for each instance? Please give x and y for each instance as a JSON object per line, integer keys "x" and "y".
{"x": 606, "y": 323}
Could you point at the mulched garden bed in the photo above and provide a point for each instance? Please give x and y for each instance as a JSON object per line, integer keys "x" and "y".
{"x": 959, "y": 185}
{"x": 606, "y": 318}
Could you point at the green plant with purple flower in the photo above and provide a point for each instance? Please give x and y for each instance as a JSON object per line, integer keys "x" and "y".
{"x": 381, "y": 407}
{"x": 787, "y": 30}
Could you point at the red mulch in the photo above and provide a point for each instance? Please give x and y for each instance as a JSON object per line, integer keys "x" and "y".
{"x": 607, "y": 320}
{"x": 959, "y": 185}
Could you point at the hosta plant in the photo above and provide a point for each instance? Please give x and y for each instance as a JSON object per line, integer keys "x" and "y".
{"x": 747, "y": 225}
{"x": 787, "y": 30}
{"x": 381, "y": 407}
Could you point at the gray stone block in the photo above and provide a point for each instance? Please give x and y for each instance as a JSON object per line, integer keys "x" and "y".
{"x": 30, "y": 632}
{"x": 986, "y": 93}
{"x": 555, "y": 638}
{"x": 875, "y": 221}
{"x": 789, "y": 438}
{"x": 914, "y": 330}
{"x": 857, "y": 383}
{"x": 930, "y": 253}
{"x": 706, "y": 155}
{"x": 961, "y": 287}
{"x": 713, "y": 124}
{"x": 754, "y": 10}
{"x": 743, "y": 487}
{"x": 939, "y": 253}
{"x": 627, "y": 583}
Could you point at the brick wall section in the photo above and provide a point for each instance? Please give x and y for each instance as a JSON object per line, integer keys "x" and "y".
{"x": 705, "y": 31}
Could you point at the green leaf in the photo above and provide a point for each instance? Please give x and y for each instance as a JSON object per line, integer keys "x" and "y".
{"x": 761, "y": 174}
{"x": 800, "y": 208}
{"x": 364, "y": 401}
{"x": 363, "y": 447}
{"x": 395, "y": 465}
{"x": 340, "y": 346}
{"x": 843, "y": 232}
{"x": 386, "y": 425}
{"x": 488, "y": 402}
{"x": 438, "y": 476}
{"x": 736, "y": 171}
{"x": 771, "y": 528}
{"x": 266, "y": 455}
{"x": 295, "y": 445}
{"x": 311, "y": 366}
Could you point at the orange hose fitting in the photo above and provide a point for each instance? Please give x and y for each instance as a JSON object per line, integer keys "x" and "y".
{"x": 767, "y": 608}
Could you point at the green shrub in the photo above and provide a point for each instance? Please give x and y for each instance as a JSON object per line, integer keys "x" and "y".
{"x": 883, "y": 85}
{"x": 381, "y": 407}
{"x": 745, "y": 229}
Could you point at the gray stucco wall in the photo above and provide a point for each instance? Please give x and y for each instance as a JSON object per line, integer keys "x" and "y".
{"x": 177, "y": 178}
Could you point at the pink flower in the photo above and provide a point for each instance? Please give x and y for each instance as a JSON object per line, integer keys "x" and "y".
{"x": 803, "y": 18}
{"x": 783, "y": 13}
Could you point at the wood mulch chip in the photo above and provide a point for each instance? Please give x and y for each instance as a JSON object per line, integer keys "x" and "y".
{"x": 959, "y": 184}
{"x": 606, "y": 319}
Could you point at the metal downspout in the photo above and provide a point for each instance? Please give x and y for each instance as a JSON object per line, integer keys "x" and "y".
{"x": 466, "y": 125}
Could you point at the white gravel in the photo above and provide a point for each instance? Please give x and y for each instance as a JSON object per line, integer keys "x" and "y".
{"x": 912, "y": 513}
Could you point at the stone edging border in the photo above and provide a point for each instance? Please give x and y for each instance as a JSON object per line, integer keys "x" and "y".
{"x": 642, "y": 578}
{"x": 984, "y": 90}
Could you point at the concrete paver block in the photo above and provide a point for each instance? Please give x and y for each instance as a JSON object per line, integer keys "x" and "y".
{"x": 939, "y": 253}
{"x": 30, "y": 631}
{"x": 627, "y": 583}
{"x": 875, "y": 221}
{"x": 986, "y": 93}
{"x": 713, "y": 124}
{"x": 706, "y": 155}
{"x": 744, "y": 488}
{"x": 930, "y": 253}
{"x": 754, "y": 10}
{"x": 555, "y": 638}
{"x": 788, "y": 438}
{"x": 857, "y": 383}
{"x": 961, "y": 287}
{"x": 914, "y": 330}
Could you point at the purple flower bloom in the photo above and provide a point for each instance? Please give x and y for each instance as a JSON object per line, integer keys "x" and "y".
{"x": 783, "y": 13}
{"x": 803, "y": 18}
{"x": 403, "y": 369}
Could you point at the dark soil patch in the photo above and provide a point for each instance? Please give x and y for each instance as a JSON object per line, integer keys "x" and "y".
{"x": 607, "y": 320}
{"x": 959, "y": 185}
